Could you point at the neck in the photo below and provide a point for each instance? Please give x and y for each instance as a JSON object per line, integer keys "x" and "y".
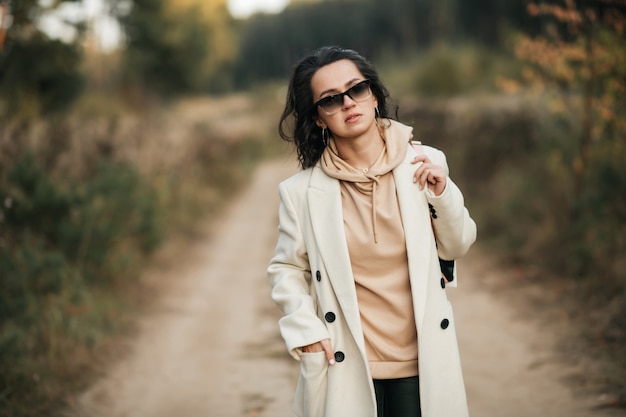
{"x": 363, "y": 151}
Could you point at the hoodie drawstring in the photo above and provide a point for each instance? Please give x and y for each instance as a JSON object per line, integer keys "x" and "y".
{"x": 375, "y": 182}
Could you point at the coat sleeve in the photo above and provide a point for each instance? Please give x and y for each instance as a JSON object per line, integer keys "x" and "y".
{"x": 455, "y": 230}
{"x": 289, "y": 275}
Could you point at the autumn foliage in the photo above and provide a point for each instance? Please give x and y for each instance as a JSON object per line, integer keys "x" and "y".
{"x": 577, "y": 63}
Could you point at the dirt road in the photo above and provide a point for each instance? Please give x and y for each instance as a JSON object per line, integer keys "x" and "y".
{"x": 210, "y": 346}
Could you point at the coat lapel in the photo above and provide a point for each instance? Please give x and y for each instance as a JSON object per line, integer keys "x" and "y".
{"x": 418, "y": 232}
{"x": 324, "y": 199}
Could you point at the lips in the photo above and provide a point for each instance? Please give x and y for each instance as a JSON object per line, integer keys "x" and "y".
{"x": 352, "y": 118}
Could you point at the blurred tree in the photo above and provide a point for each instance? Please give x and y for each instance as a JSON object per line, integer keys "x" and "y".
{"x": 38, "y": 75}
{"x": 405, "y": 25}
{"x": 221, "y": 46}
{"x": 582, "y": 54}
{"x": 578, "y": 64}
{"x": 176, "y": 47}
{"x": 489, "y": 21}
{"x": 4, "y": 18}
{"x": 269, "y": 44}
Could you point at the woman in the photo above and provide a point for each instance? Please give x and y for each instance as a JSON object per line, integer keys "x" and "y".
{"x": 356, "y": 269}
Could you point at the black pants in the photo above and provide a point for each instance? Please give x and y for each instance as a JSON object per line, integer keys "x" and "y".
{"x": 398, "y": 397}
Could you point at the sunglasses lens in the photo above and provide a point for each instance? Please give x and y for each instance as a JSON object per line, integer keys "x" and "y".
{"x": 359, "y": 92}
{"x": 331, "y": 104}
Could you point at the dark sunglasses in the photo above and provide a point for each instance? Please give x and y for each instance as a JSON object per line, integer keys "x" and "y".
{"x": 332, "y": 104}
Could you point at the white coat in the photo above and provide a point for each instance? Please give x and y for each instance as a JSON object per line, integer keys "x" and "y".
{"x": 310, "y": 275}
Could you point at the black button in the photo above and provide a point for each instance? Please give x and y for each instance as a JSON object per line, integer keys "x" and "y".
{"x": 432, "y": 209}
{"x": 339, "y": 356}
{"x": 434, "y": 216}
{"x": 318, "y": 275}
{"x": 330, "y": 317}
{"x": 445, "y": 323}
{"x": 430, "y": 206}
{"x": 443, "y": 283}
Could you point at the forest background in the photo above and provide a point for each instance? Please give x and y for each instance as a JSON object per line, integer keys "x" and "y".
{"x": 103, "y": 155}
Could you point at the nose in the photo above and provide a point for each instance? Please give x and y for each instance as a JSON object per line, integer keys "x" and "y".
{"x": 347, "y": 101}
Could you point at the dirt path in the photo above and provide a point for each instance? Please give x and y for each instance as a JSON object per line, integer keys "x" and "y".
{"x": 509, "y": 349}
{"x": 210, "y": 348}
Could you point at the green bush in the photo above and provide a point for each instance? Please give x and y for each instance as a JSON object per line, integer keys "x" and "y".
{"x": 83, "y": 221}
{"x": 439, "y": 75}
{"x": 39, "y": 76}
{"x": 63, "y": 241}
{"x": 600, "y": 222}
{"x": 448, "y": 70}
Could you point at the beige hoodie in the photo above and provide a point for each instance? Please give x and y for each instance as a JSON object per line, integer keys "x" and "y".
{"x": 376, "y": 244}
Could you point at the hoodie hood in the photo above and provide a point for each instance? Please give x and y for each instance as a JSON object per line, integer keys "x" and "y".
{"x": 396, "y": 137}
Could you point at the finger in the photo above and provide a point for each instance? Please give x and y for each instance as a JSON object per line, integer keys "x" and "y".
{"x": 420, "y": 158}
{"x": 420, "y": 177}
{"x": 436, "y": 176}
{"x": 312, "y": 348}
{"x": 418, "y": 172}
{"x": 416, "y": 175}
{"x": 432, "y": 178}
{"x": 330, "y": 355}
{"x": 423, "y": 179}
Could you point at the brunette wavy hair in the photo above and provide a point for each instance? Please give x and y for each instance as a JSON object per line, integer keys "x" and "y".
{"x": 297, "y": 122}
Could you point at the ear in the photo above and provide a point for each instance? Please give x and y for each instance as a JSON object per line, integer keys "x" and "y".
{"x": 320, "y": 124}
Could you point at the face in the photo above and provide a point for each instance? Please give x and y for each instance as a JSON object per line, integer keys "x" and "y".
{"x": 351, "y": 114}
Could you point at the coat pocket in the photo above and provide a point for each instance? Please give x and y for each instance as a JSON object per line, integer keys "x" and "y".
{"x": 310, "y": 398}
